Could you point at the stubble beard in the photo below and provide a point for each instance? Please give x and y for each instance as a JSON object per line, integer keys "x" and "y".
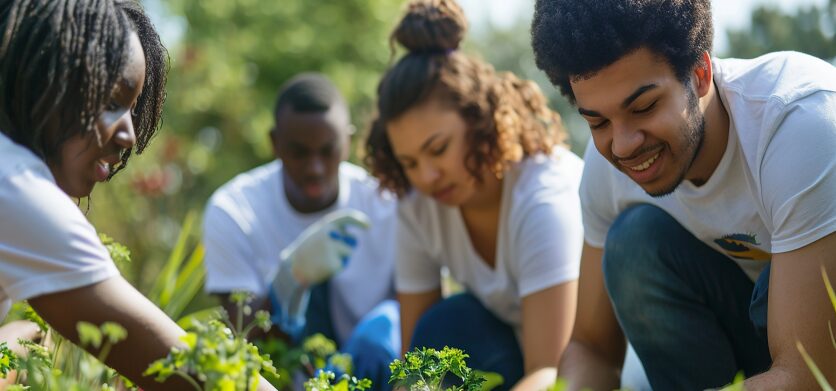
{"x": 694, "y": 129}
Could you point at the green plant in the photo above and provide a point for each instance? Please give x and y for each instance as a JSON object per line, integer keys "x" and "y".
{"x": 8, "y": 360}
{"x": 324, "y": 381}
{"x": 425, "y": 369}
{"x": 316, "y": 353}
{"x": 217, "y": 356}
{"x": 56, "y": 365}
{"x": 182, "y": 274}
{"x": 494, "y": 380}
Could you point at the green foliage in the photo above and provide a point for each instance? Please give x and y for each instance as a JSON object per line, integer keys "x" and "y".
{"x": 324, "y": 381}
{"x": 315, "y": 354}
{"x": 218, "y": 357}
{"x": 118, "y": 252}
{"x": 493, "y": 380}
{"x": 8, "y": 360}
{"x": 737, "y": 383}
{"x": 808, "y": 30}
{"x": 425, "y": 369}
{"x": 32, "y": 316}
{"x": 214, "y": 356}
{"x": 559, "y": 385}
{"x": 55, "y": 364}
{"x": 181, "y": 279}
{"x": 286, "y": 360}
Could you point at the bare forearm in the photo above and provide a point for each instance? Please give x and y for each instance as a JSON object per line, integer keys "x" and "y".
{"x": 150, "y": 333}
{"x": 778, "y": 378}
{"x": 582, "y": 368}
{"x": 538, "y": 380}
{"x": 412, "y": 307}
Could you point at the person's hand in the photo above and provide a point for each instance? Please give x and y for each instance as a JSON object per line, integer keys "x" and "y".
{"x": 318, "y": 253}
{"x": 323, "y": 248}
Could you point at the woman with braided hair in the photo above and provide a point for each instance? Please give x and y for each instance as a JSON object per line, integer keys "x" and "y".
{"x": 83, "y": 87}
{"x": 489, "y": 191}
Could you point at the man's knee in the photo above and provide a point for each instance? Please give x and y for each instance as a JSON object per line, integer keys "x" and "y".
{"x": 633, "y": 247}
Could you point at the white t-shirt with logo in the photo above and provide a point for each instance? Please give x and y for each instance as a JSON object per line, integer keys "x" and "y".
{"x": 46, "y": 243}
{"x": 774, "y": 189}
{"x": 538, "y": 244}
{"x": 249, "y": 221}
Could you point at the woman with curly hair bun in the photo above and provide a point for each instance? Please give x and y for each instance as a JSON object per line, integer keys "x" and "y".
{"x": 489, "y": 191}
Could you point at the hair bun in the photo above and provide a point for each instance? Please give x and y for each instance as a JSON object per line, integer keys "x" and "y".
{"x": 431, "y": 26}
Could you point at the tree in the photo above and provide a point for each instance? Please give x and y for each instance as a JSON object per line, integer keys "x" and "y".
{"x": 809, "y": 30}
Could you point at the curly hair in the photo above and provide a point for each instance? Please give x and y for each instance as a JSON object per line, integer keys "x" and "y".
{"x": 59, "y": 62}
{"x": 580, "y": 37}
{"x": 508, "y": 118}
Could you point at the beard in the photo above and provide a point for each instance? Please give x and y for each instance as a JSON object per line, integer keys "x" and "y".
{"x": 694, "y": 131}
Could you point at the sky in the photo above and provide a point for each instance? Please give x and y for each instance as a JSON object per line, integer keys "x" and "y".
{"x": 727, "y": 13}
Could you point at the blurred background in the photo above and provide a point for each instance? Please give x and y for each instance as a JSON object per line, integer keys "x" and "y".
{"x": 228, "y": 58}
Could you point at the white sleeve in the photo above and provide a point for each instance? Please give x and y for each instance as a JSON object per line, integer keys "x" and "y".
{"x": 228, "y": 254}
{"x": 798, "y": 174}
{"x": 598, "y": 214}
{"x": 415, "y": 270}
{"x": 46, "y": 243}
{"x": 549, "y": 240}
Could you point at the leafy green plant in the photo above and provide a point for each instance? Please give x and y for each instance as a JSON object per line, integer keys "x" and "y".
{"x": 425, "y": 369}
{"x": 182, "y": 274}
{"x": 316, "y": 353}
{"x": 120, "y": 254}
{"x": 8, "y": 360}
{"x": 325, "y": 381}
{"x": 494, "y": 380}
{"x": 217, "y": 356}
{"x": 56, "y": 365}
{"x": 319, "y": 352}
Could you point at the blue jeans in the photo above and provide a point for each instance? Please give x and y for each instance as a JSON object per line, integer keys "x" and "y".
{"x": 374, "y": 342}
{"x": 693, "y": 316}
{"x": 461, "y": 321}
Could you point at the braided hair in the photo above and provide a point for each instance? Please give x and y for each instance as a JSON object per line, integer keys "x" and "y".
{"x": 59, "y": 62}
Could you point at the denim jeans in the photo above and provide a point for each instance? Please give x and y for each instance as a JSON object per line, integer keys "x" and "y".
{"x": 693, "y": 316}
{"x": 461, "y": 321}
{"x": 374, "y": 342}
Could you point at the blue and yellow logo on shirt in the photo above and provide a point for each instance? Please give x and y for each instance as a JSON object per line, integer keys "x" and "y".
{"x": 742, "y": 246}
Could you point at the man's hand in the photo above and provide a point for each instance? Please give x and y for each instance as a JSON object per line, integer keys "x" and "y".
{"x": 323, "y": 249}
{"x": 318, "y": 253}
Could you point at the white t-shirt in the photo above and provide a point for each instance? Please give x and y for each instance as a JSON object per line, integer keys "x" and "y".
{"x": 249, "y": 221}
{"x": 46, "y": 243}
{"x": 774, "y": 189}
{"x": 538, "y": 245}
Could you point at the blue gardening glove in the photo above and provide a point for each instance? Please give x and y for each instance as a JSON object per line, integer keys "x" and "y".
{"x": 322, "y": 250}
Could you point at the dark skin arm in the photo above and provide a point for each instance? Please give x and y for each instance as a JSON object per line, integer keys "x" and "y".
{"x": 795, "y": 279}
{"x": 413, "y": 305}
{"x": 595, "y": 354}
{"x": 151, "y": 333}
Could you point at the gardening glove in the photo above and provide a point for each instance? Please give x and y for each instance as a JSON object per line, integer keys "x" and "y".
{"x": 322, "y": 250}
